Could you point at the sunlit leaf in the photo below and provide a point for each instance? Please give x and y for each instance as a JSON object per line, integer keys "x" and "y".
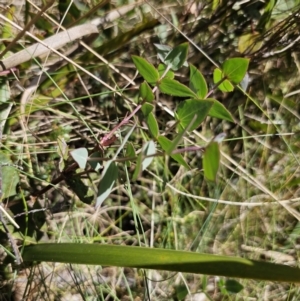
{"x": 80, "y": 156}
{"x": 224, "y": 84}
{"x": 235, "y": 69}
{"x": 249, "y": 43}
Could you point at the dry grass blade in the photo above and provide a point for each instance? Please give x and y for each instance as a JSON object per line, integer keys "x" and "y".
{"x": 54, "y": 42}
{"x": 26, "y": 28}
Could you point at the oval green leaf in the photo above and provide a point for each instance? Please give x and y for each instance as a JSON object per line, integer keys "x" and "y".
{"x": 224, "y": 84}
{"x": 147, "y": 70}
{"x": 211, "y": 160}
{"x": 197, "y": 82}
{"x": 146, "y": 93}
{"x": 235, "y": 69}
{"x": 174, "y": 88}
{"x": 152, "y": 125}
{"x": 147, "y": 108}
{"x": 188, "y": 109}
{"x": 219, "y": 111}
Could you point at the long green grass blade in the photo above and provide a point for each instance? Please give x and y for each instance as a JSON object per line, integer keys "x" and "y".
{"x": 160, "y": 259}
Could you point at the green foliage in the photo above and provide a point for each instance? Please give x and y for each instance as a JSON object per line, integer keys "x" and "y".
{"x": 235, "y": 69}
{"x": 93, "y": 134}
{"x": 174, "y": 88}
{"x": 147, "y": 70}
{"x": 191, "y": 113}
{"x": 211, "y": 161}
{"x": 223, "y": 84}
{"x": 107, "y": 181}
{"x": 160, "y": 259}
{"x": 197, "y": 82}
{"x": 146, "y": 93}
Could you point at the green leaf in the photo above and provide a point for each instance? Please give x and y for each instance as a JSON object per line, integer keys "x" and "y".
{"x": 181, "y": 292}
{"x": 187, "y": 109}
{"x": 147, "y": 108}
{"x": 107, "y": 182}
{"x": 177, "y": 57}
{"x": 160, "y": 259}
{"x": 225, "y": 85}
{"x": 150, "y": 119}
{"x": 130, "y": 152}
{"x": 152, "y": 125}
{"x": 146, "y": 92}
{"x": 197, "y": 82}
{"x": 211, "y": 160}
{"x": 235, "y": 69}
{"x": 174, "y": 88}
{"x": 166, "y": 145}
{"x": 162, "y": 69}
{"x": 10, "y": 176}
{"x": 218, "y": 110}
{"x": 80, "y": 156}
{"x": 147, "y": 70}
{"x": 233, "y": 286}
